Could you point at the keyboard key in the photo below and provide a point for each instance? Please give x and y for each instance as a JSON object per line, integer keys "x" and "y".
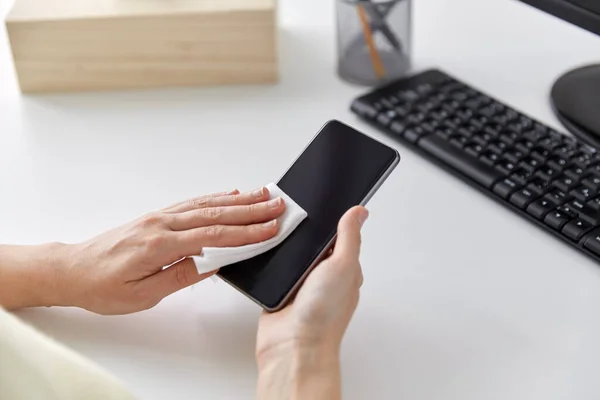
{"x": 387, "y": 104}
{"x": 592, "y": 183}
{"x": 458, "y": 141}
{"x": 575, "y": 173}
{"x": 530, "y": 164}
{"x": 481, "y": 138}
{"x": 539, "y": 186}
{"x": 588, "y": 149}
{"x": 514, "y": 155}
{"x": 414, "y": 134}
{"x": 444, "y": 133}
{"x": 558, "y": 197}
{"x": 585, "y": 212}
{"x": 594, "y": 169}
{"x": 557, "y": 220}
{"x": 564, "y": 152}
{"x": 555, "y": 135}
{"x": 583, "y": 194}
{"x": 386, "y": 118}
{"x": 364, "y": 109}
{"x": 479, "y": 121}
{"x": 594, "y": 204}
{"x": 498, "y": 147}
{"x": 506, "y": 167}
{"x": 576, "y": 229}
{"x": 524, "y": 120}
{"x": 582, "y": 160}
{"x": 473, "y": 149}
{"x": 394, "y": 100}
{"x": 506, "y": 187}
{"x": 523, "y": 197}
{"x": 398, "y": 128}
{"x": 460, "y": 96}
{"x": 439, "y": 116}
{"x": 408, "y": 95}
{"x": 568, "y": 211}
{"x": 547, "y": 173}
{"x": 540, "y": 127}
{"x": 416, "y": 118}
{"x": 493, "y": 130}
{"x": 429, "y": 126}
{"x": 540, "y": 208}
{"x": 521, "y": 176}
{"x": 525, "y": 146}
{"x": 592, "y": 241}
{"x": 565, "y": 184}
{"x": 426, "y": 106}
{"x": 473, "y": 104}
{"x": 466, "y": 131}
{"x": 424, "y": 88}
{"x": 534, "y": 135}
{"x": 549, "y": 143}
{"x": 403, "y": 111}
{"x": 515, "y": 127}
{"x": 456, "y": 158}
{"x": 508, "y": 137}
{"x": 541, "y": 155}
{"x": 464, "y": 114}
{"x": 558, "y": 163}
{"x": 489, "y": 158}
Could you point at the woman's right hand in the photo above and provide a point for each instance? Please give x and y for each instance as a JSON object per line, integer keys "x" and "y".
{"x": 298, "y": 347}
{"x": 122, "y": 271}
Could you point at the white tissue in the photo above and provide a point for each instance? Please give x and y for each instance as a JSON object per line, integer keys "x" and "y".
{"x": 213, "y": 258}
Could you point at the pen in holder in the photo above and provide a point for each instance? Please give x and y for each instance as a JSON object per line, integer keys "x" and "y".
{"x": 373, "y": 40}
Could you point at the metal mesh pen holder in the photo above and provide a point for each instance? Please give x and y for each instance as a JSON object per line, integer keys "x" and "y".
{"x": 373, "y": 40}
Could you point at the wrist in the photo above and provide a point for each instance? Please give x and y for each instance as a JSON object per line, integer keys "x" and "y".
{"x": 298, "y": 371}
{"x": 34, "y": 276}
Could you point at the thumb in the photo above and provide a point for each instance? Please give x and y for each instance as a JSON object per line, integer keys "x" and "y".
{"x": 348, "y": 241}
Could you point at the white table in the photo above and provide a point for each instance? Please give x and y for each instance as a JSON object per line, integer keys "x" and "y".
{"x": 462, "y": 299}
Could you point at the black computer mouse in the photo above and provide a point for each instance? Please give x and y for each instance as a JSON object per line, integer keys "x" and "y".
{"x": 576, "y": 100}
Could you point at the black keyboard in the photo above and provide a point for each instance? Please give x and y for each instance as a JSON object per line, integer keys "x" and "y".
{"x": 545, "y": 176}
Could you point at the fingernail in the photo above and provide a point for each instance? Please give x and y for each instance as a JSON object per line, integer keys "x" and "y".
{"x": 274, "y": 203}
{"x": 234, "y": 191}
{"x": 362, "y": 218}
{"x": 270, "y": 224}
{"x": 258, "y": 192}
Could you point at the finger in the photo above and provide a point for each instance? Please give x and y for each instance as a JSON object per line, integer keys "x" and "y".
{"x": 174, "y": 278}
{"x": 237, "y": 199}
{"x": 193, "y": 203}
{"x": 348, "y": 240}
{"x": 190, "y": 241}
{"x": 256, "y": 196}
{"x": 228, "y": 215}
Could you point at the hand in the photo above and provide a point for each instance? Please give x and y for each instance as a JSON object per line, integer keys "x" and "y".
{"x": 298, "y": 347}
{"x": 123, "y": 270}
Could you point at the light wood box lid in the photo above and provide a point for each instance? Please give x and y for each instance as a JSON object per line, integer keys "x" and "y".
{"x": 42, "y": 10}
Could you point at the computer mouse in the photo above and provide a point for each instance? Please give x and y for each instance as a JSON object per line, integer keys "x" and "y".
{"x": 576, "y": 100}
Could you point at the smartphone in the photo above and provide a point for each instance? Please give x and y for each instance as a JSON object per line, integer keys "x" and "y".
{"x": 339, "y": 169}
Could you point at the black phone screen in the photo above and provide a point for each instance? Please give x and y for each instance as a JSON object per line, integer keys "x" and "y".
{"x": 336, "y": 172}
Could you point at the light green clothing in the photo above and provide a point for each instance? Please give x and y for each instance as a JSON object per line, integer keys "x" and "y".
{"x": 33, "y": 366}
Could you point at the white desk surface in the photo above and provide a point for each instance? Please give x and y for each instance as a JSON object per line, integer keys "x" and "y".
{"x": 462, "y": 299}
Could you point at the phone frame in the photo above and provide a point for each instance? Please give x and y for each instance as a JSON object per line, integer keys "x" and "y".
{"x": 329, "y": 245}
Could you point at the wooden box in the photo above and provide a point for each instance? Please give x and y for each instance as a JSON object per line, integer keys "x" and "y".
{"x": 75, "y": 45}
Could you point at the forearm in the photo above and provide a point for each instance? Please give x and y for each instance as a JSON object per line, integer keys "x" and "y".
{"x": 306, "y": 373}
{"x": 33, "y": 276}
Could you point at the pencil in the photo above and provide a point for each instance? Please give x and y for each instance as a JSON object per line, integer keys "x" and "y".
{"x": 375, "y": 58}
